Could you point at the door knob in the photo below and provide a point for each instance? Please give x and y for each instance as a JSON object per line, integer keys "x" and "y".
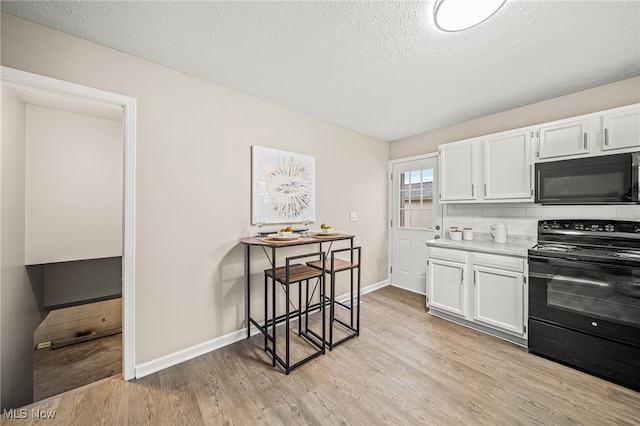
{"x": 437, "y": 227}
{"x": 437, "y": 237}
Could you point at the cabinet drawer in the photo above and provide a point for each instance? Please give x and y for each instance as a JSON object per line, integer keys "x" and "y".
{"x": 509, "y": 263}
{"x": 448, "y": 254}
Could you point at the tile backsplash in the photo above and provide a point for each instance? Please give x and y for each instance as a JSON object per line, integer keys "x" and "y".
{"x": 522, "y": 219}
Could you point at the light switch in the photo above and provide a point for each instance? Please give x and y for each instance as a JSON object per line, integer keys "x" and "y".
{"x": 353, "y": 216}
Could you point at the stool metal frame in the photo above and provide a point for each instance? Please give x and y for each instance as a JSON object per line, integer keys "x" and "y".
{"x": 333, "y": 266}
{"x": 287, "y": 275}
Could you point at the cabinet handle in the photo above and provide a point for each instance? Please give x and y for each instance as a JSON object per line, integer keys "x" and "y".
{"x": 462, "y": 278}
{"x": 485, "y": 189}
{"x": 584, "y": 144}
{"x": 473, "y": 190}
{"x": 606, "y": 137}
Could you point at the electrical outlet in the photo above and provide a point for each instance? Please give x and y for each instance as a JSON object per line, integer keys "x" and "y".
{"x": 353, "y": 217}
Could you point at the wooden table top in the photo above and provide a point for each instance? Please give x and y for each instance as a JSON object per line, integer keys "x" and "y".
{"x": 311, "y": 239}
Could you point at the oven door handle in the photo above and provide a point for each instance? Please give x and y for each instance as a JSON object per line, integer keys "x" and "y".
{"x": 554, "y": 277}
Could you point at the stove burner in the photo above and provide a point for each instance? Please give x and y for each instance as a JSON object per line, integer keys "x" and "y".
{"x": 635, "y": 255}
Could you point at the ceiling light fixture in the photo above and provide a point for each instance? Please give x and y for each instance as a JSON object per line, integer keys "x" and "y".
{"x": 459, "y": 15}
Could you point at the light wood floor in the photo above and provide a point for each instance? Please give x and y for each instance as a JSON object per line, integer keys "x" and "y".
{"x": 406, "y": 368}
{"x": 59, "y": 370}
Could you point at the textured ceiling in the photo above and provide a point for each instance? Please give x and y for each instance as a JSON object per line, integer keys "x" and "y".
{"x": 378, "y": 67}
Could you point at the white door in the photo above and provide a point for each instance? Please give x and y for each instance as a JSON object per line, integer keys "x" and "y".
{"x": 415, "y": 218}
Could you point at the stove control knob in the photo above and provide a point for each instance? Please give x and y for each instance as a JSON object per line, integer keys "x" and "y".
{"x": 609, "y": 228}
{"x": 576, "y": 226}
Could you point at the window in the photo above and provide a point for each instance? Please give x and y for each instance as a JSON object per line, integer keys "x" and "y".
{"x": 416, "y": 199}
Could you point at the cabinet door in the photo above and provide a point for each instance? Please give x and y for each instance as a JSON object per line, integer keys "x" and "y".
{"x": 446, "y": 286}
{"x": 569, "y": 137}
{"x": 458, "y": 171}
{"x": 507, "y": 166}
{"x": 498, "y": 298}
{"x": 621, "y": 128}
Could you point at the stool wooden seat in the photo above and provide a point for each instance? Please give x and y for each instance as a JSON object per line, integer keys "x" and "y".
{"x": 339, "y": 265}
{"x": 297, "y": 273}
{"x": 286, "y": 276}
{"x": 333, "y": 266}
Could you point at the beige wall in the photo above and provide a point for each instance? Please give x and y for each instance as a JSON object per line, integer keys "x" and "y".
{"x": 73, "y": 186}
{"x": 193, "y": 182}
{"x": 624, "y": 92}
{"x": 20, "y": 297}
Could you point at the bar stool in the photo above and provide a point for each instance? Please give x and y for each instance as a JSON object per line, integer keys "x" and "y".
{"x": 333, "y": 266}
{"x": 288, "y": 275}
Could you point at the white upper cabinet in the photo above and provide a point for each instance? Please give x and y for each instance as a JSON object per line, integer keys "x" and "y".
{"x": 606, "y": 132}
{"x": 507, "y": 166}
{"x": 621, "y": 128}
{"x": 499, "y": 167}
{"x": 564, "y": 138}
{"x": 458, "y": 171}
{"x": 496, "y": 168}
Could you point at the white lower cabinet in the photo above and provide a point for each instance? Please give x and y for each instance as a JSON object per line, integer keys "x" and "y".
{"x": 491, "y": 297}
{"x": 448, "y": 286}
{"x": 496, "y": 298}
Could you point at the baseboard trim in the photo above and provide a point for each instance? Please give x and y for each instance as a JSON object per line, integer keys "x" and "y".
{"x": 409, "y": 289}
{"x": 183, "y": 355}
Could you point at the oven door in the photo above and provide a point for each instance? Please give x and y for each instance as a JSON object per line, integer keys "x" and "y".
{"x": 591, "y": 297}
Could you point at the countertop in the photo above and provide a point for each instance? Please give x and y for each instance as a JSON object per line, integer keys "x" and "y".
{"x": 517, "y": 245}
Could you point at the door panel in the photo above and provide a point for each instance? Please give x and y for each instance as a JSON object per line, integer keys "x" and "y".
{"x": 404, "y": 255}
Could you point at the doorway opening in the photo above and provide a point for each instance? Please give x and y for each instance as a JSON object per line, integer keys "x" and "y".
{"x": 120, "y": 264}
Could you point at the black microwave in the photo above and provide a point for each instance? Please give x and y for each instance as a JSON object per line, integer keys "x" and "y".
{"x": 607, "y": 179}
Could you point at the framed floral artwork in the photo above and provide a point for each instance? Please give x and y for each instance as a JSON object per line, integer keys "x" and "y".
{"x": 283, "y": 186}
